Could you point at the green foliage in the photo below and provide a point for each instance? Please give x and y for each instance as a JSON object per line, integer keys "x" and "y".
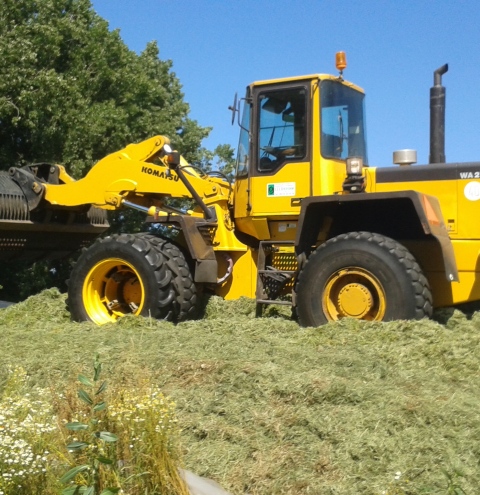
{"x": 129, "y": 445}
{"x": 21, "y": 279}
{"x": 27, "y": 435}
{"x": 72, "y": 92}
{"x": 95, "y": 449}
{"x": 220, "y": 159}
{"x": 70, "y": 442}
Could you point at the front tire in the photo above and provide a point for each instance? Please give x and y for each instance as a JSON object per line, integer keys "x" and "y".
{"x": 185, "y": 301}
{"x": 120, "y": 275}
{"x": 364, "y": 276}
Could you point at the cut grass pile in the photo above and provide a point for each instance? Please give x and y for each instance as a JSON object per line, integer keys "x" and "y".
{"x": 267, "y": 407}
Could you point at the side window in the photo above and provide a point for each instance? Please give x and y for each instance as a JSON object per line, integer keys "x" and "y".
{"x": 282, "y": 131}
{"x": 244, "y": 143}
{"x": 334, "y": 126}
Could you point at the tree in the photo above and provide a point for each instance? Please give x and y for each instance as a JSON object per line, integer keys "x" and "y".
{"x": 220, "y": 159}
{"x": 71, "y": 91}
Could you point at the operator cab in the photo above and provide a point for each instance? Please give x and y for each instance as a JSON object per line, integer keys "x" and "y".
{"x": 296, "y": 135}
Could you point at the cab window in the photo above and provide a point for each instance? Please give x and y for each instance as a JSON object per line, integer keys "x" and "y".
{"x": 342, "y": 121}
{"x": 282, "y": 131}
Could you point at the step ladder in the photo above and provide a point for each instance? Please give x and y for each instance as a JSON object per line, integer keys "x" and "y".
{"x": 276, "y": 270}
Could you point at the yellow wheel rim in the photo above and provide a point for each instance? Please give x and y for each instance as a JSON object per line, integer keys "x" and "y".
{"x": 112, "y": 289}
{"x": 355, "y": 293}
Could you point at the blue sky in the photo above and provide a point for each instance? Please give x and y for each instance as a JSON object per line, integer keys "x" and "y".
{"x": 219, "y": 46}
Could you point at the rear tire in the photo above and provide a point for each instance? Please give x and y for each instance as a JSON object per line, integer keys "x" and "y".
{"x": 120, "y": 275}
{"x": 361, "y": 275}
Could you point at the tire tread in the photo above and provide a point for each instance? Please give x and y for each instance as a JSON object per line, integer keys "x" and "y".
{"x": 185, "y": 305}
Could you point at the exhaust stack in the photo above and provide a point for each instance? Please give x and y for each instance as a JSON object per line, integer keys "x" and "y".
{"x": 437, "y": 117}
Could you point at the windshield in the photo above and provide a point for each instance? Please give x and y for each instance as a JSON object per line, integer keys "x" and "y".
{"x": 343, "y": 121}
{"x": 244, "y": 142}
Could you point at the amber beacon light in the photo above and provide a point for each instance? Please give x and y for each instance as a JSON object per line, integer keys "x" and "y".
{"x": 341, "y": 61}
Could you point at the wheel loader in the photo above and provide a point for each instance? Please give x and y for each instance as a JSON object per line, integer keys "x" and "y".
{"x": 306, "y": 223}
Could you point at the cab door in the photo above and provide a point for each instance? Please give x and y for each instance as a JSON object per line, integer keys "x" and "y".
{"x": 279, "y": 171}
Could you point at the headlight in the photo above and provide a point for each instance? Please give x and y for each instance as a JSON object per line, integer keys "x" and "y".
{"x": 354, "y": 181}
{"x": 354, "y": 165}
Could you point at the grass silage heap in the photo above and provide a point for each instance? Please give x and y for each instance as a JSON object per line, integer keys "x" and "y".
{"x": 267, "y": 407}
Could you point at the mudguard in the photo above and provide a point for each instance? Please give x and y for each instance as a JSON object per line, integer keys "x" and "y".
{"x": 401, "y": 215}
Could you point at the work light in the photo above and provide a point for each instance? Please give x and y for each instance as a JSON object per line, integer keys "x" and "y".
{"x": 354, "y": 165}
{"x": 354, "y": 181}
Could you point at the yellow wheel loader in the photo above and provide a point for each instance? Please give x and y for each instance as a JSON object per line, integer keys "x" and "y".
{"x": 306, "y": 222}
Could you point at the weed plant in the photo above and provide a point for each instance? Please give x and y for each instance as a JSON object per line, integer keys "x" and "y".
{"x": 267, "y": 407}
{"x": 74, "y": 443}
{"x": 28, "y": 435}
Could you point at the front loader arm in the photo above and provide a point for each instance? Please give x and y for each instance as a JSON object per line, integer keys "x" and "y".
{"x": 139, "y": 173}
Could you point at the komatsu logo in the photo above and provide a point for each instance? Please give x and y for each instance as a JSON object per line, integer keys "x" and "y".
{"x": 469, "y": 175}
{"x": 159, "y": 173}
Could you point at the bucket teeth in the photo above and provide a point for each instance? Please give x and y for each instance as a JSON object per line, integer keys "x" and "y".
{"x": 13, "y": 204}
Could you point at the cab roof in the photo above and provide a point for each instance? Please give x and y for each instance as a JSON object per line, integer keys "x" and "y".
{"x": 311, "y": 77}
